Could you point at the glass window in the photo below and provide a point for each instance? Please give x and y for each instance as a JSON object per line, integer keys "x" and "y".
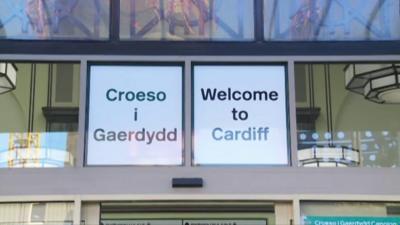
{"x": 324, "y": 20}
{"x": 54, "y": 213}
{"x": 39, "y": 115}
{"x": 347, "y": 115}
{"x": 54, "y": 19}
{"x": 38, "y": 212}
{"x": 181, "y": 20}
{"x": 323, "y": 213}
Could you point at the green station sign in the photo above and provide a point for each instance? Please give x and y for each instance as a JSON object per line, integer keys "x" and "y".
{"x": 350, "y": 220}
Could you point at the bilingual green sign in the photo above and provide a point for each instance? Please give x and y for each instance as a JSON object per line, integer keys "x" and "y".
{"x": 351, "y": 220}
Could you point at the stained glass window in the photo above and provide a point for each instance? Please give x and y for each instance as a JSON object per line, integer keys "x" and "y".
{"x": 181, "y": 20}
{"x": 54, "y": 19}
{"x": 325, "y": 20}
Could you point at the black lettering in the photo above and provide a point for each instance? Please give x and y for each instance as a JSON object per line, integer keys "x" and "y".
{"x": 161, "y": 96}
{"x": 234, "y": 95}
{"x": 222, "y": 95}
{"x": 273, "y": 95}
{"x": 150, "y": 96}
{"x": 234, "y": 111}
{"x": 140, "y": 96}
{"x": 129, "y": 96}
{"x": 208, "y": 94}
{"x": 120, "y": 94}
{"x": 108, "y": 95}
{"x": 260, "y": 95}
{"x": 246, "y": 95}
{"x": 243, "y": 115}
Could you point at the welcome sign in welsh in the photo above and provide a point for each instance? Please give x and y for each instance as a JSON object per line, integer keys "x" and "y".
{"x": 240, "y": 115}
{"x": 134, "y": 115}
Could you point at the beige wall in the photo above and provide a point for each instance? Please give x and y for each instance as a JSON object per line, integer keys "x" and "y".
{"x": 15, "y": 118}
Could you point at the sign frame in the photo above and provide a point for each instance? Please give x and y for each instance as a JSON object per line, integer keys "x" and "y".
{"x": 287, "y": 111}
{"x": 90, "y": 64}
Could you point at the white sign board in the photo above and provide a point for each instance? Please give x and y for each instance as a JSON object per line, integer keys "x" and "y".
{"x": 135, "y": 115}
{"x": 240, "y": 115}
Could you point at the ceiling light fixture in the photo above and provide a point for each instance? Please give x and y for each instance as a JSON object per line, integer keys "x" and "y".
{"x": 8, "y": 77}
{"x": 378, "y": 83}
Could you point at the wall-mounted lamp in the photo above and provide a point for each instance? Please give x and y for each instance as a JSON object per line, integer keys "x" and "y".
{"x": 8, "y": 77}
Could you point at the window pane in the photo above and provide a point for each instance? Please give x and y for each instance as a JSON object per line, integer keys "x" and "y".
{"x": 37, "y": 128}
{"x": 346, "y": 121}
{"x": 54, "y": 19}
{"x": 48, "y": 213}
{"x": 38, "y": 212}
{"x": 181, "y": 20}
{"x": 324, "y": 20}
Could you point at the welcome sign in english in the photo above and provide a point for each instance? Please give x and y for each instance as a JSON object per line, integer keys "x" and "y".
{"x": 240, "y": 115}
{"x": 135, "y": 115}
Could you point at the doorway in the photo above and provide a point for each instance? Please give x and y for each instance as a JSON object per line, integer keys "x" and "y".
{"x": 192, "y": 213}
